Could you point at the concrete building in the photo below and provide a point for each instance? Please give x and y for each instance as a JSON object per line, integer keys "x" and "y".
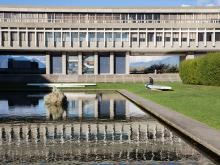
{"x": 78, "y": 41}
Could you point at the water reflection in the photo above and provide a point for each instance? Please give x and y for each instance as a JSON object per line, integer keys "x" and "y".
{"x": 94, "y": 128}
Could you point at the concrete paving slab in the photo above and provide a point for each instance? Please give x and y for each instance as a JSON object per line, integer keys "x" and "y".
{"x": 199, "y": 132}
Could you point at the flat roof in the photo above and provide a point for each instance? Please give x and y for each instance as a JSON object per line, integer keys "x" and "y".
{"x": 77, "y": 9}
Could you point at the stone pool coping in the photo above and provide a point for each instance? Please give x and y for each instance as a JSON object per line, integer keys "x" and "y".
{"x": 195, "y": 130}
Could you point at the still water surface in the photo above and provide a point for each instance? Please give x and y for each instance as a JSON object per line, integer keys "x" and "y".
{"x": 94, "y": 128}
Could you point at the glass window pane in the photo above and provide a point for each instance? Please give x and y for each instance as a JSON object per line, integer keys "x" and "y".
{"x": 117, "y": 36}
{"x": 119, "y": 64}
{"x": 66, "y": 36}
{"x": 49, "y": 37}
{"x": 56, "y": 64}
{"x": 82, "y": 36}
{"x": 74, "y": 36}
{"x": 57, "y": 37}
{"x": 108, "y": 36}
{"x": 100, "y": 36}
{"x": 125, "y": 36}
{"x": 72, "y": 64}
{"x": 104, "y": 64}
{"x": 88, "y": 64}
{"x": 92, "y": 36}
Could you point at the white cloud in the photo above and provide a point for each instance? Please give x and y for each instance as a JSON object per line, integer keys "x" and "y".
{"x": 184, "y": 5}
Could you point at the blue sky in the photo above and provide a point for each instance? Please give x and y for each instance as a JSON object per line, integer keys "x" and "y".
{"x": 113, "y": 2}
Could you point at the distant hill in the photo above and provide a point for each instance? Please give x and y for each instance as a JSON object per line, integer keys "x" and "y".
{"x": 169, "y": 60}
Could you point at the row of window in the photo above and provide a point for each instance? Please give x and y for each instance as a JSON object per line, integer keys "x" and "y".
{"x": 108, "y": 36}
{"x": 103, "y": 17}
{"x": 88, "y": 64}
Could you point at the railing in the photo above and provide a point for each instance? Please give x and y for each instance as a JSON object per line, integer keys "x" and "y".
{"x": 46, "y": 20}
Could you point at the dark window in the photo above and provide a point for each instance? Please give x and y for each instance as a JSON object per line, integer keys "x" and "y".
{"x": 150, "y": 37}
{"x": 56, "y": 64}
{"x": 104, "y": 64}
{"x": 119, "y": 108}
{"x": 209, "y": 36}
{"x": 104, "y": 109}
{"x": 201, "y": 36}
{"x": 217, "y": 36}
{"x": 120, "y": 64}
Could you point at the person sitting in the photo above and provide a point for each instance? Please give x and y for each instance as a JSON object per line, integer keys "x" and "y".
{"x": 151, "y": 82}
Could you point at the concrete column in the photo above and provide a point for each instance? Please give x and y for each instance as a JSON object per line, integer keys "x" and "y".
{"x": 18, "y": 34}
{"x": 27, "y": 41}
{"x": 121, "y": 38}
{"x": 80, "y": 110}
{"x": 138, "y": 38}
{"x": 197, "y": 37}
{"x": 111, "y": 63}
{"x": 146, "y": 38}
{"x": 129, "y": 40}
{"x": 44, "y": 39}
{"x": 111, "y": 109}
{"x": 47, "y": 64}
{"x": 205, "y": 38}
{"x": 180, "y": 38}
{"x": 171, "y": 38}
{"x": 96, "y": 109}
{"x": 104, "y": 39}
{"x": 64, "y": 63}
{"x": 70, "y": 38}
{"x": 80, "y": 63}
{"x": 9, "y": 38}
{"x": 35, "y": 33}
{"x": 61, "y": 38}
{"x": 155, "y": 38}
{"x": 163, "y": 38}
{"x": 127, "y": 70}
{"x": 96, "y": 63}
{"x": 188, "y": 38}
{"x": 87, "y": 38}
{"x": 213, "y": 38}
{"x": 78, "y": 38}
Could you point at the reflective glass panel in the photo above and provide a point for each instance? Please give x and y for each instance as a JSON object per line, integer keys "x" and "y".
{"x": 88, "y": 64}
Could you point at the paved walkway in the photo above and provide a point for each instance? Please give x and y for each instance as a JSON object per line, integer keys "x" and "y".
{"x": 199, "y": 132}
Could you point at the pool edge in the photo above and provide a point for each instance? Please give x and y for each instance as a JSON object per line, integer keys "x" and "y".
{"x": 192, "y": 129}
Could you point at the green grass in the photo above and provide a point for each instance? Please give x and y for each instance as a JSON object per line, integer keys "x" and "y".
{"x": 199, "y": 102}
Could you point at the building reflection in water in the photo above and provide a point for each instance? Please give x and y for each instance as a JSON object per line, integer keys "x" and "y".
{"x": 94, "y": 128}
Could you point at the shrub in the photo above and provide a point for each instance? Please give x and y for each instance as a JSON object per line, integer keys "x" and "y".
{"x": 210, "y": 69}
{"x": 204, "y": 70}
{"x": 189, "y": 72}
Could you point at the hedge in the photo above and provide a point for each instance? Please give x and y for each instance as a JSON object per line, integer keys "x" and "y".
{"x": 204, "y": 70}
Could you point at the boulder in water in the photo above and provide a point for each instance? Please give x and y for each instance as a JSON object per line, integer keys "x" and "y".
{"x": 56, "y": 98}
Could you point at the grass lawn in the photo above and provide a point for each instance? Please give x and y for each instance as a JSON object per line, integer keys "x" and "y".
{"x": 199, "y": 102}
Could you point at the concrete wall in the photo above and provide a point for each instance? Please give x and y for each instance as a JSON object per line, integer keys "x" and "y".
{"x": 133, "y": 78}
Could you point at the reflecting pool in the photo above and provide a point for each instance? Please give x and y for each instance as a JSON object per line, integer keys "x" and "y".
{"x": 102, "y": 127}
